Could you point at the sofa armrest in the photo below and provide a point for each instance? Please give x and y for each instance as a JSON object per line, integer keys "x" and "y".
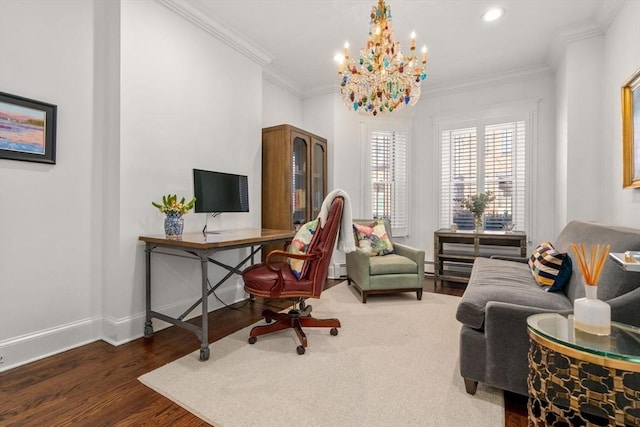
{"x": 510, "y": 258}
{"x": 625, "y": 308}
{"x": 508, "y": 344}
{"x": 414, "y": 254}
{"x": 358, "y": 267}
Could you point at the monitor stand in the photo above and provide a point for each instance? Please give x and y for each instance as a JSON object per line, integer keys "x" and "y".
{"x": 204, "y": 230}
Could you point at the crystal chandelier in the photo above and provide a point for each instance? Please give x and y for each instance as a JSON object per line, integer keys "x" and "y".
{"x": 382, "y": 79}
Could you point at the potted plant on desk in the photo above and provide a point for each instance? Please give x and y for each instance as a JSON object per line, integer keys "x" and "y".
{"x": 173, "y": 210}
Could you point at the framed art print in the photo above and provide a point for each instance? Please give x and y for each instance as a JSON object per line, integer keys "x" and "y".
{"x": 631, "y": 132}
{"x": 27, "y": 129}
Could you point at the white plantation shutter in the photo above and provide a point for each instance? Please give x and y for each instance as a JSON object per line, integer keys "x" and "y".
{"x": 389, "y": 181}
{"x": 504, "y": 146}
{"x": 486, "y": 157}
{"x": 459, "y": 170}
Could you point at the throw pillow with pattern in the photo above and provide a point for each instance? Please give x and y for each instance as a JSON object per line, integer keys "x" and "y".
{"x": 550, "y": 268}
{"x": 300, "y": 245}
{"x": 375, "y": 237}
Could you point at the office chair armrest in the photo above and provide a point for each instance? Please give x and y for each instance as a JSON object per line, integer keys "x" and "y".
{"x": 271, "y": 265}
{"x": 274, "y": 267}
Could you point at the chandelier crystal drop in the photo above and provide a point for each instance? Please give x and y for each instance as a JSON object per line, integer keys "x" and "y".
{"x": 381, "y": 79}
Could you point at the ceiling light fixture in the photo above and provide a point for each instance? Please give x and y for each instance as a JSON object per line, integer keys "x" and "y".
{"x": 381, "y": 79}
{"x": 493, "y": 14}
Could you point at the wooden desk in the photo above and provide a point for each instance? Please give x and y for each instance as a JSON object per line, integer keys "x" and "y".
{"x": 201, "y": 247}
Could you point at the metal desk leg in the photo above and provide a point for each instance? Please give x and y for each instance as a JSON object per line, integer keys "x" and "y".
{"x": 148, "y": 326}
{"x": 204, "y": 346}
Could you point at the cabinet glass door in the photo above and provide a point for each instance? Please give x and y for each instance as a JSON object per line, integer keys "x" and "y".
{"x": 299, "y": 196}
{"x": 318, "y": 179}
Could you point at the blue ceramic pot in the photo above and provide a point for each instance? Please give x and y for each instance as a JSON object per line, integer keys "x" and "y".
{"x": 173, "y": 226}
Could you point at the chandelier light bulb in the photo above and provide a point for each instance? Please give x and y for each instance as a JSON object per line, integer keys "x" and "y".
{"x": 380, "y": 78}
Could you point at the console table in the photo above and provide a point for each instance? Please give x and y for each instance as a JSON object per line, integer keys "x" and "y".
{"x": 201, "y": 247}
{"x": 455, "y": 251}
{"x": 576, "y": 378}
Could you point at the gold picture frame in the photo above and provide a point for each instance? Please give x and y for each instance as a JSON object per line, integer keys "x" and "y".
{"x": 631, "y": 132}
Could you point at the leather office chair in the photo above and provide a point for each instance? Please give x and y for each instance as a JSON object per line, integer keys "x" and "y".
{"x": 274, "y": 279}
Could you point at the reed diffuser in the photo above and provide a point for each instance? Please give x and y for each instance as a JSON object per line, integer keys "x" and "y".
{"x": 589, "y": 313}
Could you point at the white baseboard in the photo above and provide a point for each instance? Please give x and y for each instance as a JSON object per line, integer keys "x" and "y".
{"x": 337, "y": 271}
{"x": 41, "y": 344}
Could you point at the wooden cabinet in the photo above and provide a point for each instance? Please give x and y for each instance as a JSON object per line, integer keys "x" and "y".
{"x": 455, "y": 251}
{"x": 294, "y": 176}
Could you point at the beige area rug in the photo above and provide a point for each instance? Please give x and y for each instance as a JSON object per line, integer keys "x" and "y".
{"x": 393, "y": 363}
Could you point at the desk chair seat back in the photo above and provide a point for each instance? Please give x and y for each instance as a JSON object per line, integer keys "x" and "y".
{"x": 276, "y": 280}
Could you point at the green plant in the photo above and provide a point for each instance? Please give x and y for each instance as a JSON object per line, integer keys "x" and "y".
{"x": 170, "y": 205}
{"x": 476, "y": 203}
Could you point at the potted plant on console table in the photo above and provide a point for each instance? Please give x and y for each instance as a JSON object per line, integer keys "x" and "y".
{"x": 173, "y": 210}
{"x": 476, "y": 204}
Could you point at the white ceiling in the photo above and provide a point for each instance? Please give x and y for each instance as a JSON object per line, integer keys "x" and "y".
{"x": 301, "y": 37}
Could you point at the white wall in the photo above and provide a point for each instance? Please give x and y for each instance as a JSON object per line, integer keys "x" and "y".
{"x": 50, "y": 291}
{"x": 621, "y": 59}
{"x": 280, "y": 106}
{"x": 579, "y": 166}
{"x": 179, "y": 112}
{"x": 142, "y": 100}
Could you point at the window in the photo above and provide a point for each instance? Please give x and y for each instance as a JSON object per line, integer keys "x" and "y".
{"x": 480, "y": 158}
{"x": 388, "y": 177}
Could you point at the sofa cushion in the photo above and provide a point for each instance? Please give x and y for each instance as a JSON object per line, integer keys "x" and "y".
{"x": 375, "y": 236}
{"x": 550, "y": 268}
{"x": 503, "y": 281}
{"x": 392, "y": 264}
{"x": 614, "y": 281}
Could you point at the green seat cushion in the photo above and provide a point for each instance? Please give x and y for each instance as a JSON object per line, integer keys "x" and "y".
{"x": 391, "y": 264}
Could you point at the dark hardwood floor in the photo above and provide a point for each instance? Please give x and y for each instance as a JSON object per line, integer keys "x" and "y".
{"x": 96, "y": 384}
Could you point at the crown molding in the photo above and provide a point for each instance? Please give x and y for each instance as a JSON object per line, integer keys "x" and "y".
{"x": 605, "y": 16}
{"x": 608, "y": 12}
{"x": 218, "y": 30}
{"x": 282, "y": 81}
{"x": 511, "y": 76}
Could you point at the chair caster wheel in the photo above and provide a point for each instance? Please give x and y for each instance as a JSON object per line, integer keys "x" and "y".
{"x": 252, "y": 340}
{"x": 334, "y": 331}
{"x": 300, "y": 349}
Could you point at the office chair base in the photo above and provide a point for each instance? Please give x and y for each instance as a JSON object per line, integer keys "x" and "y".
{"x": 295, "y": 319}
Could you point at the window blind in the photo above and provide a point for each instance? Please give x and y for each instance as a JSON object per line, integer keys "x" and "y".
{"x": 389, "y": 182}
{"x": 480, "y": 159}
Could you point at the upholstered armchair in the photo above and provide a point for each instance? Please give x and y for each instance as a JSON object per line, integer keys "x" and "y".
{"x": 399, "y": 271}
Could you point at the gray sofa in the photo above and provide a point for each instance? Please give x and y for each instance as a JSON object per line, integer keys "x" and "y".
{"x": 501, "y": 294}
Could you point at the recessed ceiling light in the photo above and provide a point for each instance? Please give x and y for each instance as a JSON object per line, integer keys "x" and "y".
{"x": 492, "y": 14}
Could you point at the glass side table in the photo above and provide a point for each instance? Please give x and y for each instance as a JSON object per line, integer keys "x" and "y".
{"x": 576, "y": 378}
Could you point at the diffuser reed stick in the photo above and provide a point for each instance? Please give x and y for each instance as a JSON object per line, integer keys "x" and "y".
{"x": 591, "y": 266}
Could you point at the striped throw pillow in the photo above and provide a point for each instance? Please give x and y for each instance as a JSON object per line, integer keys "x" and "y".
{"x": 550, "y": 268}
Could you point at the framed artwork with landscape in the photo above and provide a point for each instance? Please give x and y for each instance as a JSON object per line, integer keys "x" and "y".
{"x": 631, "y": 132}
{"x": 27, "y": 129}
